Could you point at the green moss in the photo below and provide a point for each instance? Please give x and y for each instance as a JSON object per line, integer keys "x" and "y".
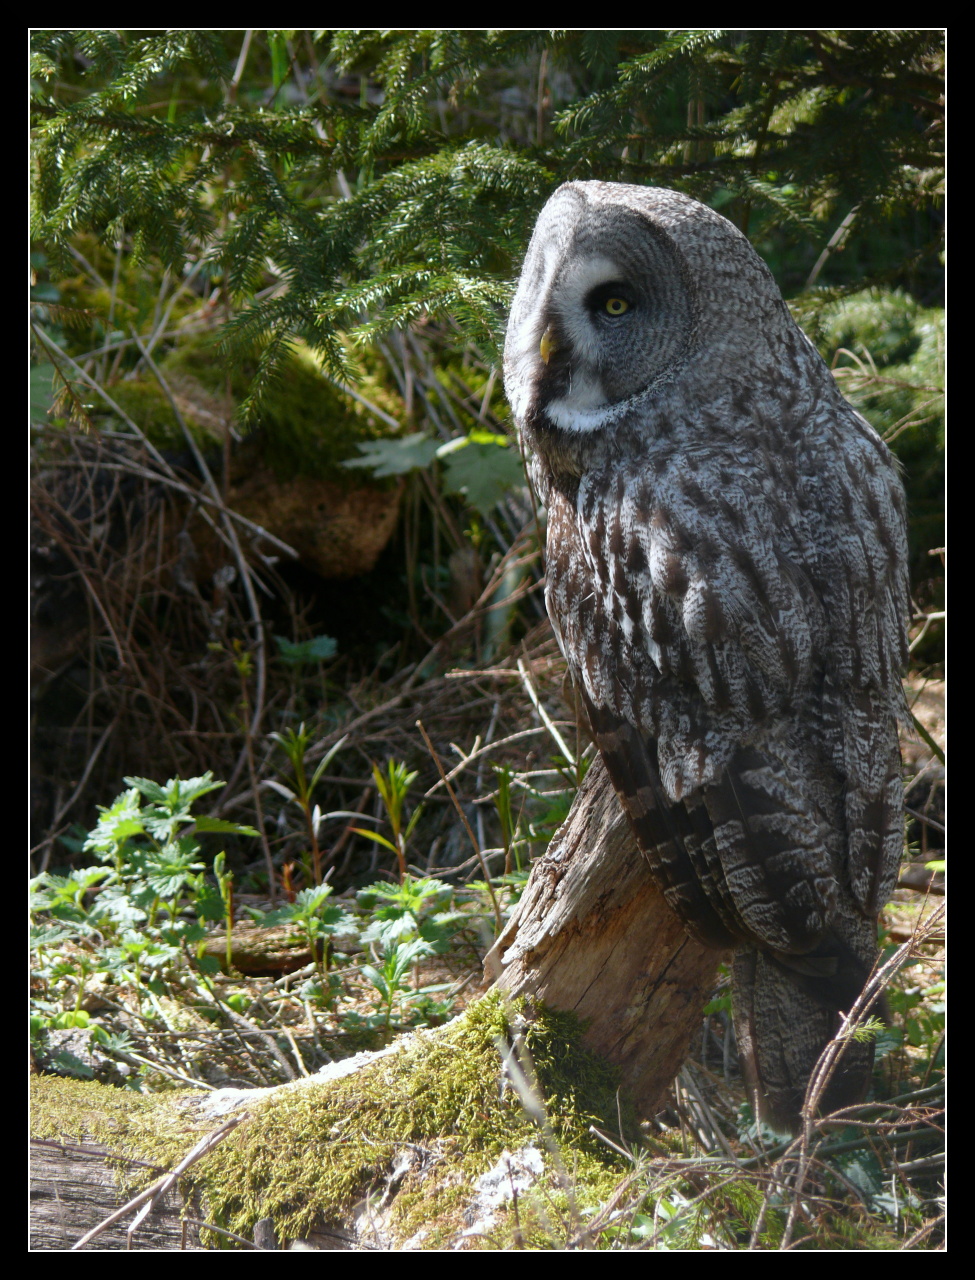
{"x": 131, "y": 300}
{"x": 305, "y": 425}
{"x": 148, "y": 1127}
{"x": 148, "y": 407}
{"x": 311, "y": 1152}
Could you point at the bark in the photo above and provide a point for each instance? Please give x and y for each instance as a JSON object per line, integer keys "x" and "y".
{"x": 592, "y": 934}
{"x": 72, "y": 1189}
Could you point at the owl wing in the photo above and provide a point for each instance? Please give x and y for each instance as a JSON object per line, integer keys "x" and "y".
{"x": 734, "y": 622}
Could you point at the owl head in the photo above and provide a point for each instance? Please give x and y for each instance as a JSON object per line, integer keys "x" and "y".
{"x": 624, "y": 291}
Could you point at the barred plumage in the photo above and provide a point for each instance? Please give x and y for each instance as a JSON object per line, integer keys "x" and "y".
{"x": 727, "y": 578}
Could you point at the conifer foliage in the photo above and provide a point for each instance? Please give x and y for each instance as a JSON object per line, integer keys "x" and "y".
{"x": 392, "y": 174}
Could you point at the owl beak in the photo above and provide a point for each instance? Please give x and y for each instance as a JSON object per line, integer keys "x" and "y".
{"x": 547, "y": 344}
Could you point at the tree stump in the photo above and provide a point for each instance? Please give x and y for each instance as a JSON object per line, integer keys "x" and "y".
{"x": 594, "y": 935}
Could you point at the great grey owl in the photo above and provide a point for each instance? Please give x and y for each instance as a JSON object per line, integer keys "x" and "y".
{"x": 727, "y": 578}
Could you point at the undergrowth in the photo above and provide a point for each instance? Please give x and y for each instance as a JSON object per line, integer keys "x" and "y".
{"x": 134, "y": 983}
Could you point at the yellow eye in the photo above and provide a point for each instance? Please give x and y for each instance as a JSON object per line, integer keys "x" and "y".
{"x": 616, "y": 306}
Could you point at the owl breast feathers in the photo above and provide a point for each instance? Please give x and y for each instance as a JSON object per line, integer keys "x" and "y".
{"x": 727, "y": 579}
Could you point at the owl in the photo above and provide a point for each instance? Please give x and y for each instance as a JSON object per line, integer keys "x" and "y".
{"x": 727, "y": 579}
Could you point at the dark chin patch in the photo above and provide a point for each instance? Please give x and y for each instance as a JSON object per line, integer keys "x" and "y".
{"x": 541, "y": 425}
{"x": 555, "y": 378}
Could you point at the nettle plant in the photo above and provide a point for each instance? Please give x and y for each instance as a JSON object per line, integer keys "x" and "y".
{"x": 139, "y": 915}
{"x": 140, "y": 921}
{"x": 409, "y": 921}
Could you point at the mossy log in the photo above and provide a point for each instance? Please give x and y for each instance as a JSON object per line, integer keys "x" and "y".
{"x": 597, "y": 994}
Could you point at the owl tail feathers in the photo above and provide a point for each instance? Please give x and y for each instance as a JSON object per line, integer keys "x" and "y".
{"x": 782, "y": 1030}
{"x": 832, "y": 973}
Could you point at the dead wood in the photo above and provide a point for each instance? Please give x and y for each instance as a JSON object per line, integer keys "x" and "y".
{"x": 73, "y": 1188}
{"x": 594, "y": 935}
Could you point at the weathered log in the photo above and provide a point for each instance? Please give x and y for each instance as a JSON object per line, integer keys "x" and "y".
{"x": 73, "y": 1188}
{"x": 254, "y": 950}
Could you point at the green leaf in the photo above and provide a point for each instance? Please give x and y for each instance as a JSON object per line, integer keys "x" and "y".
{"x": 374, "y": 835}
{"x": 146, "y": 787}
{"x": 279, "y": 58}
{"x": 179, "y": 793}
{"x": 396, "y": 457}
{"x": 920, "y": 729}
{"x": 121, "y": 820}
{"x": 120, "y": 1041}
{"x": 219, "y": 824}
{"x": 372, "y": 974}
{"x": 483, "y": 473}
{"x": 72, "y": 1018}
{"x": 73, "y": 1065}
{"x": 184, "y": 931}
{"x": 389, "y": 931}
{"x": 167, "y": 870}
{"x": 116, "y": 905}
{"x": 326, "y": 760}
{"x": 42, "y": 393}
{"x": 209, "y": 904}
{"x": 49, "y": 935}
{"x": 312, "y": 899}
{"x": 319, "y": 649}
